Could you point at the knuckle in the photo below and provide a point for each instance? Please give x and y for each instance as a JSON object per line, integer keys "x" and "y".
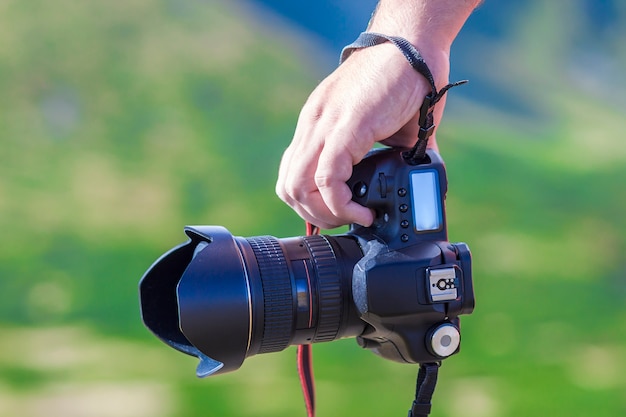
{"x": 323, "y": 179}
{"x": 292, "y": 190}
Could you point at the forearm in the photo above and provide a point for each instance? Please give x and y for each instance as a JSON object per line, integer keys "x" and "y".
{"x": 430, "y": 25}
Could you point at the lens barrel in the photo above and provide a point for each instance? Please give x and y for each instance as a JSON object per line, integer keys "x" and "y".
{"x": 242, "y": 296}
{"x": 277, "y": 299}
{"x": 306, "y": 289}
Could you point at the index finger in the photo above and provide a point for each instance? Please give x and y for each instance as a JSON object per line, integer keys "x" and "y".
{"x": 333, "y": 170}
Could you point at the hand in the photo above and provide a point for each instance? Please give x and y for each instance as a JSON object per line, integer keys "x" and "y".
{"x": 374, "y": 96}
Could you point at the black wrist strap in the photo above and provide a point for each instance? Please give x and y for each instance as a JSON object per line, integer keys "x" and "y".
{"x": 426, "y": 121}
{"x": 425, "y": 387}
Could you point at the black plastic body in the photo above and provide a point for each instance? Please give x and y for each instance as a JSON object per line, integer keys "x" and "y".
{"x": 390, "y": 283}
{"x": 224, "y": 298}
{"x": 386, "y": 177}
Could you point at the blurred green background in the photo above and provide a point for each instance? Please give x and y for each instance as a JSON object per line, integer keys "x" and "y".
{"x": 121, "y": 122}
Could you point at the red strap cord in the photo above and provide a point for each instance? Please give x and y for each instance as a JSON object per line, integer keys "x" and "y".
{"x": 305, "y": 357}
{"x": 305, "y": 370}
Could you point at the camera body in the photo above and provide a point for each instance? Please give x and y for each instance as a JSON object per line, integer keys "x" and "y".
{"x": 398, "y": 286}
{"x": 411, "y": 284}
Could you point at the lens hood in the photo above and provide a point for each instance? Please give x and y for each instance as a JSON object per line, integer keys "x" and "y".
{"x": 174, "y": 294}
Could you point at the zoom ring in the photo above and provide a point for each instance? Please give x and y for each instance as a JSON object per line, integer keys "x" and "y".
{"x": 329, "y": 285}
{"x": 277, "y": 295}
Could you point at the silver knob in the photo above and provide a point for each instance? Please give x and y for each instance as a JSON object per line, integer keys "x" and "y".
{"x": 445, "y": 340}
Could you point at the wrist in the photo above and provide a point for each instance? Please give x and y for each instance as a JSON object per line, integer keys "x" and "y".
{"x": 432, "y": 47}
{"x": 433, "y": 94}
{"x": 433, "y": 65}
{"x": 430, "y": 25}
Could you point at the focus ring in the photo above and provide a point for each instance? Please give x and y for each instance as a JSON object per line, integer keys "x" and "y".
{"x": 277, "y": 295}
{"x": 329, "y": 285}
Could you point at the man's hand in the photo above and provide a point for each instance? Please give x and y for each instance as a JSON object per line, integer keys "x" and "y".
{"x": 374, "y": 96}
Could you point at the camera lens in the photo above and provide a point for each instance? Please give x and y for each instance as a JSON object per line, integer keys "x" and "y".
{"x": 242, "y": 296}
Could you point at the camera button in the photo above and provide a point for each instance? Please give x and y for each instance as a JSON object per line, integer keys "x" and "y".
{"x": 445, "y": 340}
{"x": 404, "y": 238}
{"x": 359, "y": 189}
{"x": 404, "y": 224}
{"x": 404, "y": 208}
{"x": 402, "y": 192}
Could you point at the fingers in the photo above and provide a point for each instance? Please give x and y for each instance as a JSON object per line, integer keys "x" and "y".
{"x": 333, "y": 170}
{"x": 312, "y": 180}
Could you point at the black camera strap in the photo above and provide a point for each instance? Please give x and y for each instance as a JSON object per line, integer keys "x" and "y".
{"x": 426, "y": 120}
{"x": 425, "y": 387}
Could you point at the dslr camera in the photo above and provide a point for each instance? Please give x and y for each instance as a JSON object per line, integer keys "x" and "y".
{"x": 397, "y": 286}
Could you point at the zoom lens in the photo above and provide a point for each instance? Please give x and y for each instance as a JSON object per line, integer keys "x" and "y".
{"x": 236, "y": 297}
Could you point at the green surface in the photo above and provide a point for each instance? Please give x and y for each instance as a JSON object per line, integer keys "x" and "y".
{"x": 120, "y": 123}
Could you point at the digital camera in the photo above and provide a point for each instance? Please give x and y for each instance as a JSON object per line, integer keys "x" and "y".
{"x": 398, "y": 286}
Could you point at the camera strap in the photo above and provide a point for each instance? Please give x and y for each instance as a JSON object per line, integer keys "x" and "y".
{"x": 425, "y": 387}
{"x": 305, "y": 372}
{"x": 305, "y": 358}
{"x": 426, "y": 120}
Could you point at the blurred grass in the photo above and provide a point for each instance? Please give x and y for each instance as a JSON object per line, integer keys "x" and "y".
{"x": 121, "y": 123}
